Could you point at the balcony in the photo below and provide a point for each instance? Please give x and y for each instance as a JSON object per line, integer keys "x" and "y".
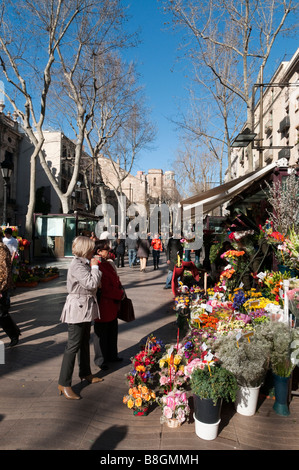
{"x": 284, "y": 153}
{"x": 284, "y": 124}
{"x": 269, "y": 126}
{"x": 268, "y": 155}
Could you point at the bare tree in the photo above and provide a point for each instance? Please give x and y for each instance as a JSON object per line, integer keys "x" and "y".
{"x": 26, "y": 62}
{"x": 247, "y": 28}
{"x": 42, "y": 38}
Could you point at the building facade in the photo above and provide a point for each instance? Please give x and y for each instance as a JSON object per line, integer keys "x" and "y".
{"x": 275, "y": 122}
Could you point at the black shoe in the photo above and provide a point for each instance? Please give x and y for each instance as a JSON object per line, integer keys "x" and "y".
{"x": 117, "y": 359}
{"x": 14, "y": 342}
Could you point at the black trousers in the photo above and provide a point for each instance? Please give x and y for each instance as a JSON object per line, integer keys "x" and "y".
{"x": 6, "y": 322}
{"x": 77, "y": 345}
{"x": 106, "y": 345}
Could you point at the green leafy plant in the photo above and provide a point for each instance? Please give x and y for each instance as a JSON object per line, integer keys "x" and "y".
{"x": 214, "y": 382}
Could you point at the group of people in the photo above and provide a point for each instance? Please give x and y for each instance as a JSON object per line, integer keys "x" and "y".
{"x": 138, "y": 249}
{"x": 94, "y": 295}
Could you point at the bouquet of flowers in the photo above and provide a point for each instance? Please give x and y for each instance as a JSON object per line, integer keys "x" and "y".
{"x": 293, "y": 296}
{"x": 172, "y": 368}
{"x": 139, "y": 399}
{"x": 175, "y": 408}
{"x": 144, "y": 362}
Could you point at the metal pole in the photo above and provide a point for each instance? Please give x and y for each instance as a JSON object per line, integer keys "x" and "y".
{"x": 4, "y": 202}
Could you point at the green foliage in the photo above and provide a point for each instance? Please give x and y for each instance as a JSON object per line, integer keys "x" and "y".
{"x": 214, "y": 382}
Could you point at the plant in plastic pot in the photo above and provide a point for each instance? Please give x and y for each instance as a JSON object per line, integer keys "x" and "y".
{"x": 247, "y": 357}
{"x": 283, "y": 339}
{"x": 210, "y": 385}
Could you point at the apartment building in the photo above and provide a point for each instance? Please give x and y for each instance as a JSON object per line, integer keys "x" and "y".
{"x": 275, "y": 122}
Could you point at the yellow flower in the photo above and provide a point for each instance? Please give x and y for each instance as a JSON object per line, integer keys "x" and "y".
{"x": 130, "y": 403}
{"x": 177, "y": 359}
{"x": 161, "y": 363}
{"x": 140, "y": 368}
{"x": 125, "y": 399}
{"x": 138, "y": 402}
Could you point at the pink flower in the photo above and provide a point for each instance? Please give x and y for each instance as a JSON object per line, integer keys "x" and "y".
{"x": 170, "y": 402}
{"x": 167, "y": 412}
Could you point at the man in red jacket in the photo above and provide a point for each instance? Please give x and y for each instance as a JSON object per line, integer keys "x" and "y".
{"x": 157, "y": 248}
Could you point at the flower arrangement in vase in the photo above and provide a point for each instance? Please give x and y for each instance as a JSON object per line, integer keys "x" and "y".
{"x": 139, "y": 399}
{"x": 175, "y": 407}
{"x": 244, "y": 354}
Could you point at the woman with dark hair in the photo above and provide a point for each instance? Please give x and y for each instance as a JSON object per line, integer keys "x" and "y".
{"x": 111, "y": 293}
{"x": 6, "y": 322}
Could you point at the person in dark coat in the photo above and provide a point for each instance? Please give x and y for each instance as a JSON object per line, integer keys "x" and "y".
{"x": 110, "y": 295}
{"x": 143, "y": 251}
{"x": 173, "y": 250}
{"x": 120, "y": 249}
{"x": 6, "y": 321}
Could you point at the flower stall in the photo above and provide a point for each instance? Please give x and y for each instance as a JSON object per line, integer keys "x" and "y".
{"x": 244, "y": 334}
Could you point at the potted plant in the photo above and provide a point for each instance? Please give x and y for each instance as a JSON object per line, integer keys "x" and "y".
{"x": 283, "y": 338}
{"x": 175, "y": 408}
{"x": 247, "y": 357}
{"x": 210, "y": 386}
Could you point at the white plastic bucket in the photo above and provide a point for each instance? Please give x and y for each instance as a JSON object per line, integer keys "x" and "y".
{"x": 246, "y": 400}
{"x": 206, "y": 431}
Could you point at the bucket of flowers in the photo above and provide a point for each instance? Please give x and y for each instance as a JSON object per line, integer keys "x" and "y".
{"x": 139, "y": 399}
{"x": 175, "y": 408}
{"x": 293, "y": 296}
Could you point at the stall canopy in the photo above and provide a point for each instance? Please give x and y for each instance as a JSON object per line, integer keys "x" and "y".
{"x": 215, "y": 197}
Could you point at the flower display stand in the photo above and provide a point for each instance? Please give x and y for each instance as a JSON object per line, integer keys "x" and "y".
{"x": 281, "y": 387}
{"x": 246, "y": 400}
{"x": 206, "y": 431}
{"x": 206, "y": 417}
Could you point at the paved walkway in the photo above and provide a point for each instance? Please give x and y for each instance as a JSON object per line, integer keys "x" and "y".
{"x": 34, "y": 417}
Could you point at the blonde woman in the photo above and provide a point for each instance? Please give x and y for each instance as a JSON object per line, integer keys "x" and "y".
{"x": 80, "y": 309}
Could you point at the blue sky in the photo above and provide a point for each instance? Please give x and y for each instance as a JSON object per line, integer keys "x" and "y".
{"x": 164, "y": 80}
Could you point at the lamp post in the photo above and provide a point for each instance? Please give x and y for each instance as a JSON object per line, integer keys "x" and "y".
{"x": 6, "y": 171}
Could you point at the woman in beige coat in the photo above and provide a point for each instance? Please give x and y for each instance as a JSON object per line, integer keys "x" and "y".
{"x": 80, "y": 309}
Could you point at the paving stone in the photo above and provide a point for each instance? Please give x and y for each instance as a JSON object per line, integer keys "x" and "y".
{"x": 34, "y": 417}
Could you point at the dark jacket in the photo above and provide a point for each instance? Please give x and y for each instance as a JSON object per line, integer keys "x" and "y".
{"x": 174, "y": 248}
{"x": 111, "y": 292}
{"x": 143, "y": 250}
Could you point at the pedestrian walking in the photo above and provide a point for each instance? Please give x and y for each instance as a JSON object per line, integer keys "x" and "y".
{"x": 111, "y": 293}
{"x": 143, "y": 251}
{"x": 131, "y": 244}
{"x": 6, "y": 321}
{"x": 157, "y": 249}
{"x": 120, "y": 249}
{"x": 80, "y": 309}
{"x": 174, "y": 249}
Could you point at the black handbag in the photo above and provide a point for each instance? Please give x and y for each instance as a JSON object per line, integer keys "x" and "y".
{"x": 126, "y": 310}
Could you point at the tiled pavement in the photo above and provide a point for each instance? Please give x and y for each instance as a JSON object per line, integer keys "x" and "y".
{"x": 34, "y": 417}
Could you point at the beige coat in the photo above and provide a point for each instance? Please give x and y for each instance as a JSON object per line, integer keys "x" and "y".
{"x": 82, "y": 282}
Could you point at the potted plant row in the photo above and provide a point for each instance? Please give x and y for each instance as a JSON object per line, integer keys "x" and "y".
{"x": 211, "y": 385}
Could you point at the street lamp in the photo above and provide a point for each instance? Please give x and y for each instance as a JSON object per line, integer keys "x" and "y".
{"x": 244, "y": 138}
{"x": 6, "y": 171}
